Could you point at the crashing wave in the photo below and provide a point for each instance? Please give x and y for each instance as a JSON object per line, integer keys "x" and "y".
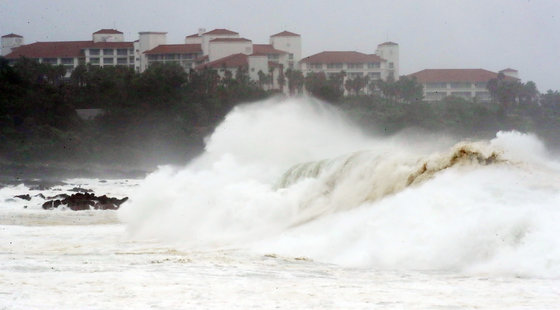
{"x": 349, "y": 181}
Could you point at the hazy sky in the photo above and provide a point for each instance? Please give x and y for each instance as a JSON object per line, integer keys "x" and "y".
{"x": 524, "y": 35}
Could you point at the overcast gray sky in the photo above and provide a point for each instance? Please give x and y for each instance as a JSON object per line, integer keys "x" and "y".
{"x": 489, "y": 34}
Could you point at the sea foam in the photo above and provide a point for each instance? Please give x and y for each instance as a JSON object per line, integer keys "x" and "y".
{"x": 294, "y": 177}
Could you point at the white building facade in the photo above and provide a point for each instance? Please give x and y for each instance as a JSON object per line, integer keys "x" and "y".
{"x": 107, "y": 48}
{"x": 291, "y": 43}
{"x": 469, "y": 84}
{"x": 204, "y": 49}
{"x": 355, "y": 64}
{"x": 11, "y": 41}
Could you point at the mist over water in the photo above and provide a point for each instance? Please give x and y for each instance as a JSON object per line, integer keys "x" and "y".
{"x": 294, "y": 177}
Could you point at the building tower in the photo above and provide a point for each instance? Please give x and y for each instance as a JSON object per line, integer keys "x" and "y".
{"x": 107, "y": 35}
{"x": 510, "y": 72}
{"x": 147, "y": 41}
{"x": 390, "y": 52}
{"x": 289, "y": 42}
{"x": 9, "y": 42}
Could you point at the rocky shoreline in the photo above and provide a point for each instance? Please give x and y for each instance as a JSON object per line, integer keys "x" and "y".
{"x": 82, "y": 199}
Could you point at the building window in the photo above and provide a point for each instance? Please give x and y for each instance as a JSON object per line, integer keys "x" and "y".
{"x": 51, "y": 61}
{"x": 94, "y": 51}
{"x": 169, "y": 57}
{"x": 291, "y": 56}
{"x": 436, "y": 85}
{"x": 122, "y": 52}
{"x": 121, "y": 61}
{"x": 131, "y": 59}
{"x": 94, "y": 60}
{"x": 462, "y": 94}
{"x": 355, "y": 66}
{"x": 480, "y": 84}
{"x": 374, "y": 75}
{"x": 273, "y": 57}
{"x": 391, "y": 65}
{"x": 460, "y": 85}
{"x": 107, "y": 61}
{"x": 186, "y": 56}
{"x": 373, "y": 65}
{"x": 333, "y": 75}
{"x": 67, "y": 61}
{"x": 316, "y": 66}
{"x": 334, "y": 66}
{"x": 108, "y": 51}
{"x": 353, "y": 75}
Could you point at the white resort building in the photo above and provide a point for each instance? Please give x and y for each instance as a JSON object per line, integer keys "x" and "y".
{"x": 106, "y": 48}
{"x": 225, "y": 51}
{"x": 381, "y": 65}
{"x": 219, "y": 49}
{"x": 466, "y": 83}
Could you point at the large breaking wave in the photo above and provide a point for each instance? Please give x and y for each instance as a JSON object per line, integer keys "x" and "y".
{"x": 293, "y": 177}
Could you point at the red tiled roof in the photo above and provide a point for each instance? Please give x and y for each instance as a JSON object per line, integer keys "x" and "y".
{"x": 221, "y": 31}
{"x": 193, "y": 36}
{"x": 12, "y": 35}
{"x": 454, "y": 75}
{"x": 388, "y": 43}
{"x": 231, "y": 61}
{"x": 341, "y": 57}
{"x": 175, "y": 49}
{"x": 62, "y": 49}
{"x": 230, "y": 40}
{"x": 50, "y": 49}
{"x": 108, "y": 31}
{"x": 285, "y": 34}
{"x": 265, "y": 49}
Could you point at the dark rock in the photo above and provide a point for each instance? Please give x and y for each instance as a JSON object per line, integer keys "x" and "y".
{"x": 59, "y": 196}
{"x": 49, "y": 205}
{"x": 86, "y": 201}
{"x": 80, "y": 190}
{"x": 80, "y": 201}
{"x": 106, "y": 203}
{"x": 40, "y": 196}
{"x": 24, "y": 197}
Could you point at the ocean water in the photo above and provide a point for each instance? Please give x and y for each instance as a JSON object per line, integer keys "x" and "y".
{"x": 291, "y": 206}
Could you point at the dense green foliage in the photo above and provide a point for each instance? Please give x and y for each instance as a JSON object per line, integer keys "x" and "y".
{"x": 159, "y": 115}
{"x": 162, "y": 114}
{"x": 457, "y": 116}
